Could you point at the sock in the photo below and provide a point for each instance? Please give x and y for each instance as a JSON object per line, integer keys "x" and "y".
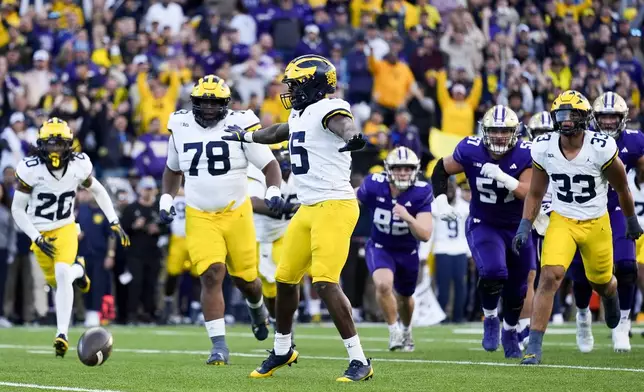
{"x": 257, "y": 305}
{"x": 512, "y": 311}
{"x": 611, "y": 311}
{"x": 282, "y": 343}
{"x": 523, "y": 323}
{"x": 626, "y": 294}
{"x": 258, "y": 312}
{"x": 354, "y": 349}
{"x": 406, "y": 328}
{"x": 491, "y": 313}
{"x": 583, "y": 311}
{"x": 314, "y": 306}
{"x": 508, "y": 327}
{"x": 216, "y": 327}
{"x": 626, "y": 314}
{"x": 392, "y": 328}
{"x": 583, "y": 291}
{"x": 64, "y": 295}
{"x": 535, "y": 342}
{"x": 77, "y": 272}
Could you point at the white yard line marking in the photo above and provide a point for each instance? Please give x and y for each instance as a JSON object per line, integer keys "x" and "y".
{"x": 51, "y": 387}
{"x": 47, "y": 352}
{"x": 398, "y": 360}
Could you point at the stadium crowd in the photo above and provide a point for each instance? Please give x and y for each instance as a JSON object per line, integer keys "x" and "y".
{"x": 417, "y": 74}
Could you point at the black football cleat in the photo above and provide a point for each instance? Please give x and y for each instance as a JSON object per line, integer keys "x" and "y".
{"x": 357, "y": 371}
{"x": 83, "y": 282}
{"x": 274, "y": 362}
{"x": 61, "y": 345}
{"x": 261, "y": 330}
{"x": 217, "y": 358}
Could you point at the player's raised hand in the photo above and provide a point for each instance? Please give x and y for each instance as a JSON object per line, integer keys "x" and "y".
{"x": 490, "y": 170}
{"x": 444, "y": 210}
{"x": 273, "y": 199}
{"x": 45, "y": 244}
{"x": 520, "y": 239}
{"x": 355, "y": 143}
{"x": 633, "y": 228}
{"x": 238, "y": 134}
{"x": 118, "y": 231}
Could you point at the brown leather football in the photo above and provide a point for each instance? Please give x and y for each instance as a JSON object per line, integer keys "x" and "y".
{"x": 95, "y": 346}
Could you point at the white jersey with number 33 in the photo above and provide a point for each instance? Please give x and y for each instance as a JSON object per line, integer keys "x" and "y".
{"x": 579, "y": 187}
{"x": 321, "y": 172}
{"x": 214, "y": 169}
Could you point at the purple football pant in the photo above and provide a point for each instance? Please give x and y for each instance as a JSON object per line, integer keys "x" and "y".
{"x": 404, "y": 265}
{"x": 625, "y": 265}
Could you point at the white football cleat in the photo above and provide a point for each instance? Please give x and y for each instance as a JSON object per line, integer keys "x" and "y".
{"x": 408, "y": 342}
{"x": 395, "y": 340}
{"x": 557, "y": 319}
{"x": 585, "y": 339}
{"x": 621, "y": 341}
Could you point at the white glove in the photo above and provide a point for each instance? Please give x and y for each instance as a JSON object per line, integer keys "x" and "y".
{"x": 490, "y": 170}
{"x": 165, "y": 202}
{"x": 444, "y": 210}
{"x": 541, "y": 223}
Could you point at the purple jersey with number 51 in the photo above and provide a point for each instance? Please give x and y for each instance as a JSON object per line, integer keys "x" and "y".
{"x": 491, "y": 202}
{"x": 388, "y": 231}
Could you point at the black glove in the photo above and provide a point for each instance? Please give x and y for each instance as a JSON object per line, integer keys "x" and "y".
{"x": 523, "y": 232}
{"x": 46, "y": 246}
{"x": 357, "y": 142}
{"x": 237, "y": 134}
{"x": 633, "y": 228}
{"x": 167, "y": 217}
{"x": 290, "y": 209}
{"x": 120, "y": 233}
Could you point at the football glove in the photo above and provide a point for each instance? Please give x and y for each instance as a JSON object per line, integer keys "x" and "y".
{"x": 167, "y": 217}
{"x": 120, "y": 233}
{"x": 444, "y": 211}
{"x": 166, "y": 209}
{"x": 633, "y": 228}
{"x": 46, "y": 246}
{"x": 355, "y": 143}
{"x": 273, "y": 200}
{"x": 238, "y": 134}
{"x": 494, "y": 172}
{"x": 523, "y": 232}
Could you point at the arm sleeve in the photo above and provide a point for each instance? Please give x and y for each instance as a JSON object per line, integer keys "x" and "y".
{"x": 103, "y": 200}
{"x": 19, "y": 212}
{"x": 258, "y": 154}
{"x": 173, "y": 156}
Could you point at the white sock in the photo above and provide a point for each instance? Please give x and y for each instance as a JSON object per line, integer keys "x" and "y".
{"x": 282, "y": 343}
{"x": 64, "y": 296}
{"x": 257, "y": 305}
{"x": 406, "y": 329}
{"x": 216, "y": 327}
{"x": 508, "y": 327}
{"x": 626, "y": 314}
{"x": 314, "y": 306}
{"x": 392, "y": 328}
{"x": 354, "y": 349}
{"x": 491, "y": 313}
{"x": 77, "y": 271}
{"x": 583, "y": 312}
{"x": 523, "y": 323}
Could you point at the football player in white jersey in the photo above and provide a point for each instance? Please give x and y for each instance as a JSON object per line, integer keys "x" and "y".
{"x": 43, "y": 207}
{"x": 321, "y": 132}
{"x": 179, "y": 262}
{"x": 269, "y": 226}
{"x": 219, "y": 216}
{"x": 581, "y": 164}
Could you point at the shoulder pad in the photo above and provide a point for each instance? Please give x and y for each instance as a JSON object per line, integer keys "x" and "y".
{"x": 178, "y": 120}
{"x": 246, "y": 119}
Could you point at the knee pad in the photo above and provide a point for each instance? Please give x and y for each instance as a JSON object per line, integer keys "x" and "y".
{"x": 490, "y": 286}
{"x": 626, "y": 272}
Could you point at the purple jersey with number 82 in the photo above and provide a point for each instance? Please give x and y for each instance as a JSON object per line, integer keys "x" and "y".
{"x": 491, "y": 202}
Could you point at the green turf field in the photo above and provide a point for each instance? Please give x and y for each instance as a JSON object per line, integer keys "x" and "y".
{"x": 447, "y": 358}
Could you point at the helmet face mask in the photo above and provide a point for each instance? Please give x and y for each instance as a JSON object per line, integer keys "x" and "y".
{"x": 499, "y": 140}
{"x": 610, "y": 123}
{"x": 209, "y": 111}
{"x": 570, "y": 121}
{"x": 539, "y": 124}
{"x": 55, "y": 151}
{"x": 402, "y": 166}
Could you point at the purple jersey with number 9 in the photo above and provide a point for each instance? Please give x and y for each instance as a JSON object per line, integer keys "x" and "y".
{"x": 491, "y": 202}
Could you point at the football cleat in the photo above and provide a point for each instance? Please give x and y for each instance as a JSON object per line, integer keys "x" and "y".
{"x": 261, "y": 330}
{"x": 621, "y": 341}
{"x": 217, "y": 358}
{"x": 491, "y": 333}
{"x": 61, "y": 345}
{"x": 395, "y": 340}
{"x": 510, "y": 341}
{"x": 531, "y": 359}
{"x": 357, "y": 371}
{"x": 585, "y": 339}
{"x": 408, "y": 342}
{"x": 524, "y": 338}
{"x": 274, "y": 362}
{"x": 83, "y": 282}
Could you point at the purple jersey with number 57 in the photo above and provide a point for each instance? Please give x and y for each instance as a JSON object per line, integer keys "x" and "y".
{"x": 388, "y": 231}
{"x": 491, "y": 202}
{"x": 630, "y": 147}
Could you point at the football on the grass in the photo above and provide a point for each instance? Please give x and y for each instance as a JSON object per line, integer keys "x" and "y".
{"x": 95, "y": 346}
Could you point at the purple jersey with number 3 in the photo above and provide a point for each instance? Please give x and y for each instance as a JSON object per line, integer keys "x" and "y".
{"x": 388, "y": 231}
{"x": 491, "y": 202}
{"x": 630, "y": 147}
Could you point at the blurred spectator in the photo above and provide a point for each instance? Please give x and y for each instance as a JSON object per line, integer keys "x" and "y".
{"x": 458, "y": 107}
{"x": 464, "y": 53}
{"x": 359, "y": 80}
{"x": 7, "y": 249}
{"x": 404, "y": 133}
{"x": 150, "y": 152}
{"x": 165, "y": 13}
{"x": 157, "y": 101}
{"x": 311, "y": 43}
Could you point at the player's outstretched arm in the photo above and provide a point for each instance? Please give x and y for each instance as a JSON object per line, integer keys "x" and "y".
{"x": 538, "y": 187}
{"x": 444, "y": 168}
{"x": 19, "y": 211}
{"x": 273, "y": 196}
{"x": 275, "y": 133}
{"x": 345, "y": 128}
{"x": 170, "y": 184}
{"x": 105, "y": 203}
{"x": 616, "y": 176}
